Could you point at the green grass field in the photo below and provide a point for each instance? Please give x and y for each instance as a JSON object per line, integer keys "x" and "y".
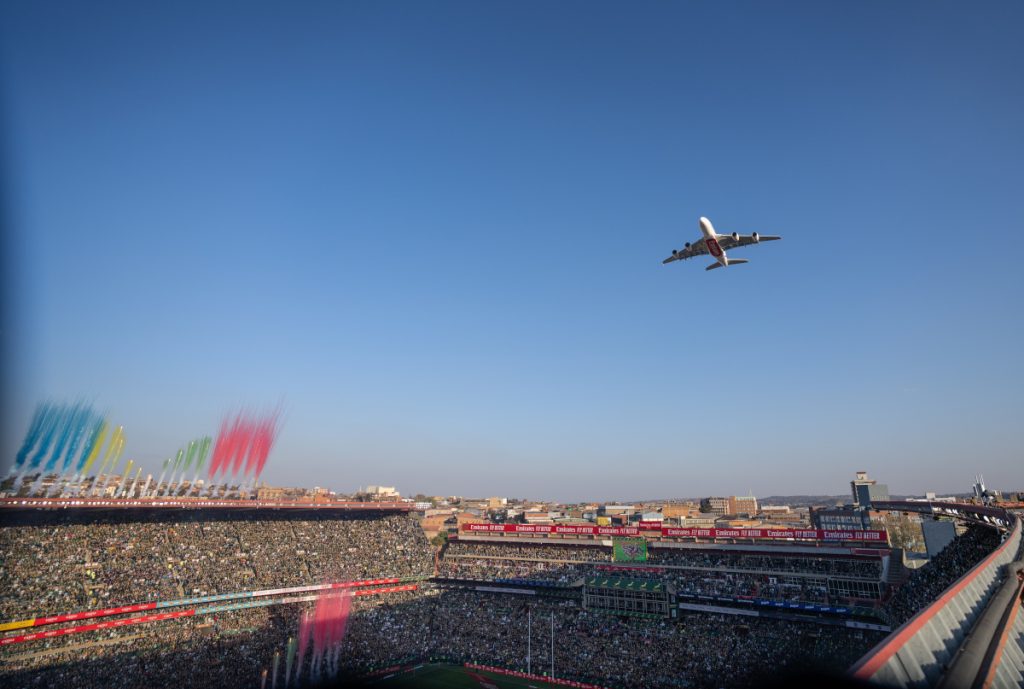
{"x": 440, "y": 676}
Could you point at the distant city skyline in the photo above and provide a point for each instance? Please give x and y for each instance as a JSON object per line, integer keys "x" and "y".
{"x": 432, "y": 236}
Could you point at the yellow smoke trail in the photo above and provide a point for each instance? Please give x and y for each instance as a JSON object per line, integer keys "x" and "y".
{"x": 95, "y": 452}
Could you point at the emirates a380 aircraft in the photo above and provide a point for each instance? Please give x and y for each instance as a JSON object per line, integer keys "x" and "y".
{"x": 716, "y": 245}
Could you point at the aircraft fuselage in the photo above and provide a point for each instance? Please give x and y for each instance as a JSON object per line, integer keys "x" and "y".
{"x": 711, "y": 241}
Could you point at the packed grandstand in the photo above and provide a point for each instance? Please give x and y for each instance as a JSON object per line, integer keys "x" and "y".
{"x": 171, "y": 598}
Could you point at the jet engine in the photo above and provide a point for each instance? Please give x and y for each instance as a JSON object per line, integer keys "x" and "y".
{"x": 736, "y": 236}
{"x": 687, "y": 245}
{"x": 756, "y": 237}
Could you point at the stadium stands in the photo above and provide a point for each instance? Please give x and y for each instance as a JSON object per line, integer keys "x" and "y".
{"x": 60, "y": 562}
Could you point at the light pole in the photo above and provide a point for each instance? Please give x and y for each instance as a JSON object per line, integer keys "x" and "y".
{"x": 552, "y": 644}
{"x": 529, "y": 629}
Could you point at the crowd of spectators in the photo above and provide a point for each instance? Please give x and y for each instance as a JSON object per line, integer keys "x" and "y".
{"x": 804, "y": 564}
{"x": 223, "y": 650}
{"x": 750, "y": 585}
{"x": 67, "y": 564}
{"x": 697, "y": 572}
{"x": 697, "y": 650}
{"x": 530, "y": 551}
{"x": 925, "y": 584}
{"x": 696, "y": 582}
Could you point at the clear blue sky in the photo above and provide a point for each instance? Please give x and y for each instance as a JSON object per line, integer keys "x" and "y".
{"x": 433, "y": 232}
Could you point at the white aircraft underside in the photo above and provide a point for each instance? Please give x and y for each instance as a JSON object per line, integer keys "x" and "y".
{"x": 716, "y": 245}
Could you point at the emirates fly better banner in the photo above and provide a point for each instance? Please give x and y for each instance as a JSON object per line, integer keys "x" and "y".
{"x": 567, "y": 529}
{"x": 672, "y": 532}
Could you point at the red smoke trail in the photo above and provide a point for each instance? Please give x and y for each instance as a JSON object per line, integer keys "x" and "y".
{"x": 330, "y": 619}
{"x": 341, "y": 619}
{"x": 239, "y": 443}
{"x": 304, "y": 629}
{"x": 244, "y": 445}
{"x": 254, "y": 448}
{"x": 320, "y": 626}
{"x": 267, "y": 434}
{"x": 219, "y": 449}
{"x": 262, "y": 439}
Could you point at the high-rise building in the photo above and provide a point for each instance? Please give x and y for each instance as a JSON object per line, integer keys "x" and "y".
{"x": 865, "y": 491}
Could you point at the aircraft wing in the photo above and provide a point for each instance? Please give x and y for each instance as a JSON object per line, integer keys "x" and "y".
{"x": 696, "y": 249}
{"x": 726, "y": 241}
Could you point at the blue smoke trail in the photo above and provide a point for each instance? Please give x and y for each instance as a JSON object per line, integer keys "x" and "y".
{"x": 35, "y": 430}
{"x": 85, "y": 422}
{"x": 71, "y": 421}
{"x": 57, "y": 416}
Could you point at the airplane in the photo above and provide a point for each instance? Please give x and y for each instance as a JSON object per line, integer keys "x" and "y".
{"x": 716, "y": 245}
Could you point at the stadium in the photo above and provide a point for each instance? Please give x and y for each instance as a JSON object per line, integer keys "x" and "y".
{"x": 244, "y": 593}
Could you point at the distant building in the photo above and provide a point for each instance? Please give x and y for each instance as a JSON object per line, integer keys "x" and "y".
{"x": 865, "y": 490}
{"x": 717, "y": 505}
{"x": 434, "y": 524}
{"x": 269, "y": 493}
{"x": 378, "y": 492}
{"x": 703, "y": 520}
{"x": 775, "y": 510}
{"x": 786, "y": 521}
{"x": 496, "y": 503}
{"x": 743, "y": 505}
{"x": 610, "y": 510}
{"x": 537, "y": 517}
{"x": 467, "y": 518}
{"x": 677, "y": 510}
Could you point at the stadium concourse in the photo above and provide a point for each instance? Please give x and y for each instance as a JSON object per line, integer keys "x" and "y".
{"x": 213, "y": 597}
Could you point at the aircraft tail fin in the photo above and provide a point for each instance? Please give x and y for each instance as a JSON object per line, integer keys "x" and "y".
{"x": 729, "y": 261}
